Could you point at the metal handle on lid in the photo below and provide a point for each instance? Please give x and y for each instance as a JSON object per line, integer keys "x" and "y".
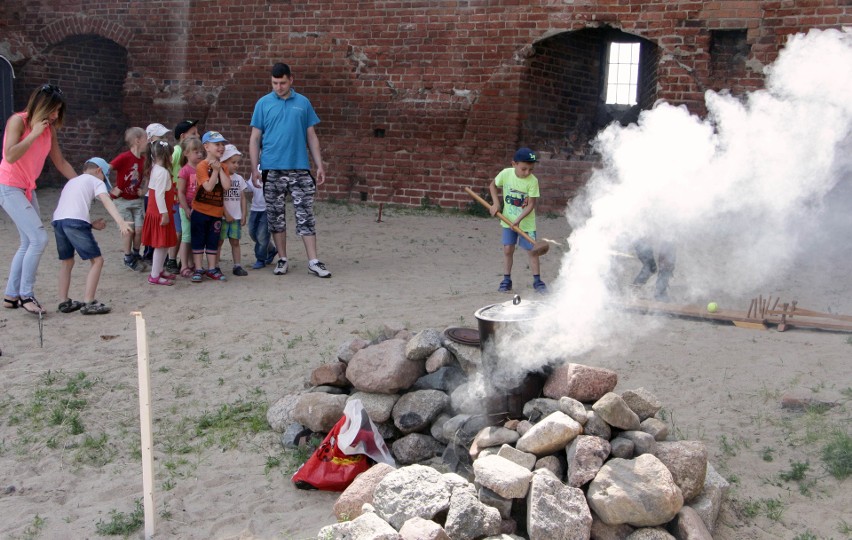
{"x": 516, "y": 299}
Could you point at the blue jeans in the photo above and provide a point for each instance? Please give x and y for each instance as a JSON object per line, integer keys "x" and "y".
{"x": 24, "y": 213}
{"x": 259, "y": 232}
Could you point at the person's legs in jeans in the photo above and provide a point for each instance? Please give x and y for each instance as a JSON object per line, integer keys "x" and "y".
{"x": 25, "y": 215}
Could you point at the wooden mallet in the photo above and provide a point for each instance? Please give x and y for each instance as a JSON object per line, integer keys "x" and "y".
{"x": 540, "y": 247}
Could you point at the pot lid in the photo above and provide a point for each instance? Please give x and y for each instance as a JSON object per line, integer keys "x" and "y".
{"x": 512, "y": 310}
{"x": 465, "y": 336}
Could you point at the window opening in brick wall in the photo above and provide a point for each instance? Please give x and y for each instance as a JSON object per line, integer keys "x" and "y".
{"x": 622, "y": 74}
{"x": 7, "y": 102}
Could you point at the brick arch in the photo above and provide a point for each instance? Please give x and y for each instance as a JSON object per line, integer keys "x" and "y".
{"x": 66, "y": 27}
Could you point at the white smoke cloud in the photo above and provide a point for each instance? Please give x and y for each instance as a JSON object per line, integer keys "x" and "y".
{"x": 736, "y": 192}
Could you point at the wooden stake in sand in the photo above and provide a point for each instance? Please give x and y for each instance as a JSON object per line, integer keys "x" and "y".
{"x": 145, "y": 425}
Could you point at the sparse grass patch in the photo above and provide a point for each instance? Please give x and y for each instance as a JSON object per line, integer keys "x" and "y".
{"x": 121, "y": 523}
{"x": 766, "y": 454}
{"x": 837, "y": 455}
{"x": 33, "y": 530}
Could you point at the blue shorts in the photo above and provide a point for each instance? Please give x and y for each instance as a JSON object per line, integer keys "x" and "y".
{"x": 75, "y": 235}
{"x": 510, "y": 238}
{"x": 231, "y": 230}
{"x": 176, "y": 219}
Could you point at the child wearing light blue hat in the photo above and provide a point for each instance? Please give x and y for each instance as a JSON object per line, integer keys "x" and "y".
{"x": 72, "y": 227}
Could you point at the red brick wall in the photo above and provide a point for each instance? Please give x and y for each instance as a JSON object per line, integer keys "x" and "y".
{"x": 448, "y": 83}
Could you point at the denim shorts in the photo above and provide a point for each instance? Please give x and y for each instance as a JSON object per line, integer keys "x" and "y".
{"x": 231, "y": 230}
{"x": 75, "y": 235}
{"x": 510, "y": 238}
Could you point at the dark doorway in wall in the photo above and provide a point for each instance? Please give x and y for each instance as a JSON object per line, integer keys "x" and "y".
{"x": 7, "y": 104}
{"x": 564, "y": 103}
{"x": 91, "y": 70}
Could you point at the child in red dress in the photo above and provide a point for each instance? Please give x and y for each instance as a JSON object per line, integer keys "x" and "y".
{"x": 157, "y": 230}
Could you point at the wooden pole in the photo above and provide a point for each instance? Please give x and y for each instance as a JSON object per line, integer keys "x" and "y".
{"x": 145, "y": 426}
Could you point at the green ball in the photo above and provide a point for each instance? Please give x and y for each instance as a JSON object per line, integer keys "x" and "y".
{"x": 712, "y": 307}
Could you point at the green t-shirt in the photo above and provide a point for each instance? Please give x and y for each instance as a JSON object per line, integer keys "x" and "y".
{"x": 177, "y": 153}
{"x": 515, "y": 193}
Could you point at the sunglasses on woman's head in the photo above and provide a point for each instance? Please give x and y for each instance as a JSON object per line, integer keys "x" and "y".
{"x": 50, "y": 89}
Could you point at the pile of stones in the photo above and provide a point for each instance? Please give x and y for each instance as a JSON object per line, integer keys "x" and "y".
{"x": 584, "y": 462}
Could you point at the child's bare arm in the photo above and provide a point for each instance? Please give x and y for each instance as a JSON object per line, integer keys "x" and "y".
{"x": 529, "y": 206}
{"x": 243, "y": 207}
{"x": 495, "y": 198}
{"x": 124, "y": 226}
{"x": 182, "y": 195}
{"x": 225, "y": 178}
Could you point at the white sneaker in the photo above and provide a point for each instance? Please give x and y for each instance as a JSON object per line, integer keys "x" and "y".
{"x": 280, "y": 268}
{"x": 319, "y": 269}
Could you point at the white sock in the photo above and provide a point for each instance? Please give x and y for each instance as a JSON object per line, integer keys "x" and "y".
{"x": 313, "y": 261}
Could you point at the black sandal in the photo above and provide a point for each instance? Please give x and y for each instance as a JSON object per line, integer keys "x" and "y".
{"x": 10, "y": 304}
{"x": 95, "y": 308}
{"x": 70, "y": 306}
{"x": 31, "y": 300}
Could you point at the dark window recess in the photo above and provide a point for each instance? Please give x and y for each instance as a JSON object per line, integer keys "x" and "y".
{"x": 379, "y": 133}
{"x": 729, "y": 50}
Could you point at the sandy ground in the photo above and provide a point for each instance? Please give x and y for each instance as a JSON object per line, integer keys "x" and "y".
{"x": 69, "y": 443}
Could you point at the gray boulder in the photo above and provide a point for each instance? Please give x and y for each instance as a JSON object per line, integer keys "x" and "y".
{"x": 640, "y": 492}
{"x": 492, "y": 499}
{"x": 438, "y": 359}
{"x": 551, "y": 434}
{"x": 643, "y": 443}
{"x": 416, "y": 410}
{"x": 383, "y": 368}
{"x": 687, "y": 525}
{"x": 445, "y": 379}
{"x": 469, "y": 358}
{"x": 360, "y": 491}
{"x": 492, "y": 436}
{"x": 621, "y": 447}
{"x": 319, "y": 411}
{"x": 468, "y": 518}
{"x": 280, "y": 414}
{"x": 642, "y": 402}
{"x": 504, "y": 477}
{"x": 437, "y": 428}
{"x": 422, "y": 344}
{"x": 462, "y": 428}
{"x": 378, "y": 406}
{"x": 413, "y": 491}
{"x": 650, "y": 533}
{"x": 347, "y": 349}
{"x": 655, "y": 428}
{"x": 602, "y": 531}
{"x": 415, "y": 447}
{"x": 687, "y": 461}
{"x": 615, "y": 412}
{"x": 574, "y": 409}
{"x": 552, "y": 464}
{"x": 595, "y": 425}
{"x": 524, "y": 459}
{"x": 708, "y": 503}
{"x": 365, "y": 527}
{"x": 585, "y": 456}
{"x": 418, "y": 528}
{"x": 556, "y": 511}
{"x": 537, "y": 408}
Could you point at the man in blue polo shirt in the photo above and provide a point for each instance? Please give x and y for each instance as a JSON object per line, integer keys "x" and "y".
{"x": 282, "y": 132}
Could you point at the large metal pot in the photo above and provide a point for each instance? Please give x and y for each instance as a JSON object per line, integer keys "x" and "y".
{"x": 509, "y": 384}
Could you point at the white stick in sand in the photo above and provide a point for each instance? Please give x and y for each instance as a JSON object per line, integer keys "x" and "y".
{"x": 145, "y": 425}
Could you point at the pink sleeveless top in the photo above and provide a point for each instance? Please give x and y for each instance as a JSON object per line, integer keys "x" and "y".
{"x": 24, "y": 172}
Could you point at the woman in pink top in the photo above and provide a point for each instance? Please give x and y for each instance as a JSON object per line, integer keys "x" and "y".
{"x": 29, "y": 139}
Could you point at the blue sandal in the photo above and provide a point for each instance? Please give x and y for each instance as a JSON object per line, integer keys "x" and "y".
{"x": 540, "y": 287}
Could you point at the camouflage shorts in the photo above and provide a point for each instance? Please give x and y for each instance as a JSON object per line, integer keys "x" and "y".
{"x": 300, "y": 185}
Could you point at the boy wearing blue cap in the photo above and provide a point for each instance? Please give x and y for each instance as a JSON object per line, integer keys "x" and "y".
{"x": 520, "y": 194}
{"x": 73, "y": 230}
{"x": 208, "y": 207}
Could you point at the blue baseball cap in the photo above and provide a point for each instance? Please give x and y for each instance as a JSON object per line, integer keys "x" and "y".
{"x": 103, "y": 166}
{"x": 524, "y": 155}
{"x": 214, "y": 137}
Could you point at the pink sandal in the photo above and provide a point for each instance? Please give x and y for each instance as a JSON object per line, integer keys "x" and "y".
{"x": 167, "y": 275}
{"x": 187, "y": 271}
{"x": 160, "y": 281}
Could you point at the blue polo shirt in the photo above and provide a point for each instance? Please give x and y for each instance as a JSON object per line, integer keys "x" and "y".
{"x": 284, "y": 123}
